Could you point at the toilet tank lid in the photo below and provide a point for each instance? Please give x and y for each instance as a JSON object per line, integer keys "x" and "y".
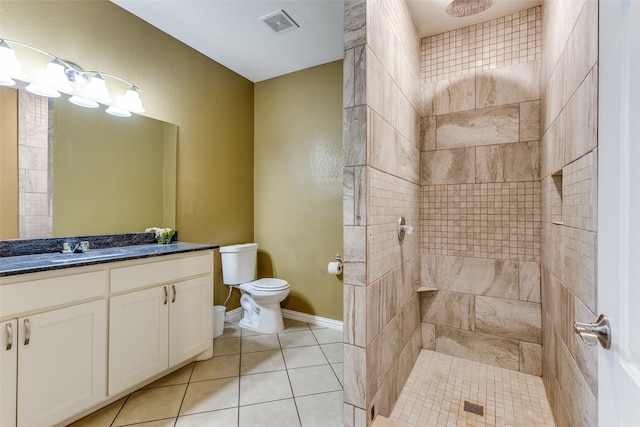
{"x": 243, "y": 247}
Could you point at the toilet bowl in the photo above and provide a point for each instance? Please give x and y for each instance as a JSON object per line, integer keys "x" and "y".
{"x": 260, "y": 298}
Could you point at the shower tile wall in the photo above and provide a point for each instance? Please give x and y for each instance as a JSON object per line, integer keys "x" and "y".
{"x": 480, "y": 215}
{"x": 569, "y": 115}
{"x": 34, "y": 165}
{"x": 381, "y": 184}
{"x": 508, "y": 40}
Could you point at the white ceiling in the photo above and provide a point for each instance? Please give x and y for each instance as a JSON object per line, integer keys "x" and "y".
{"x": 231, "y": 33}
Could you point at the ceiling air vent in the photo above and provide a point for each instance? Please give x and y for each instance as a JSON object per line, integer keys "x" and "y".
{"x": 280, "y": 22}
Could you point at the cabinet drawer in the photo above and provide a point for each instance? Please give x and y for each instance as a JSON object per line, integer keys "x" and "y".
{"x": 39, "y": 294}
{"x": 143, "y": 275}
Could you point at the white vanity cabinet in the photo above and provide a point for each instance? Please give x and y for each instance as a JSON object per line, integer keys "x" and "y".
{"x": 53, "y": 353}
{"x": 72, "y": 339}
{"x": 159, "y": 317}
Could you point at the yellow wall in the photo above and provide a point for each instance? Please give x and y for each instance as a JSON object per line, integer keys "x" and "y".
{"x": 298, "y": 148}
{"x": 8, "y": 163}
{"x": 298, "y": 185}
{"x": 212, "y": 106}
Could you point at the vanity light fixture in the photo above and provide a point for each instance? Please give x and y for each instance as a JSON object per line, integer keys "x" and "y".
{"x": 62, "y": 76}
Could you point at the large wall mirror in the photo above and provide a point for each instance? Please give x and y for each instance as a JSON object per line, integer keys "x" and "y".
{"x": 67, "y": 170}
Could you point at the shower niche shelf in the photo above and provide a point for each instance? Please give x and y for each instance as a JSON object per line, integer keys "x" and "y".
{"x": 426, "y": 289}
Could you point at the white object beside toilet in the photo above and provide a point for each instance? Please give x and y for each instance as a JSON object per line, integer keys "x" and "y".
{"x": 260, "y": 298}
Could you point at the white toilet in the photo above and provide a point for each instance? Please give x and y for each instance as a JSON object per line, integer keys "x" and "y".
{"x": 260, "y": 298}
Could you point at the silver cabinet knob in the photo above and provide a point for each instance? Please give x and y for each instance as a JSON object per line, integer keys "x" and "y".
{"x": 592, "y": 333}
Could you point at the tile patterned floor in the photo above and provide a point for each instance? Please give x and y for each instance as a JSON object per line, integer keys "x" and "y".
{"x": 293, "y": 378}
{"x": 439, "y": 384}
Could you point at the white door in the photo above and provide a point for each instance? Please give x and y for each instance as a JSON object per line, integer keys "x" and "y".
{"x": 138, "y": 337}
{"x": 619, "y": 211}
{"x": 61, "y": 363}
{"x": 8, "y": 371}
{"x": 190, "y": 320}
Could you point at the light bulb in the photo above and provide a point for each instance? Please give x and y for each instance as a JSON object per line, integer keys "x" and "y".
{"x": 132, "y": 100}
{"x": 97, "y": 90}
{"x": 83, "y": 102}
{"x": 9, "y": 65}
{"x": 55, "y": 77}
{"x": 41, "y": 90}
{"x": 6, "y": 81}
{"x": 118, "y": 112}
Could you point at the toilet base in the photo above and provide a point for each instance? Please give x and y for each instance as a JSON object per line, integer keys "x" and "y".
{"x": 267, "y": 321}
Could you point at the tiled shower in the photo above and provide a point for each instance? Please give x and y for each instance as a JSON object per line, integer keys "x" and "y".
{"x": 34, "y": 168}
{"x": 483, "y": 138}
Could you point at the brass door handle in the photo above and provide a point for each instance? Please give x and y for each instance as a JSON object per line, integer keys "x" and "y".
{"x": 27, "y": 331}
{"x": 9, "y": 336}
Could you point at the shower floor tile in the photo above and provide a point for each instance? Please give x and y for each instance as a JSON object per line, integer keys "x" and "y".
{"x": 438, "y": 386}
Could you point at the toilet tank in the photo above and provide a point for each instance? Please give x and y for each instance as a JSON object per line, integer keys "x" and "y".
{"x": 238, "y": 263}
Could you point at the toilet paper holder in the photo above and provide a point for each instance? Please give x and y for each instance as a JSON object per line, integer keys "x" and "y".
{"x": 335, "y": 267}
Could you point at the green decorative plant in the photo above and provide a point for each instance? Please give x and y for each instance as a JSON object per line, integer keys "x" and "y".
{"x": 163, "y": 235}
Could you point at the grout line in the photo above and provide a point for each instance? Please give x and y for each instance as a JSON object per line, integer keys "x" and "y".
{"x": 186, "y": 389}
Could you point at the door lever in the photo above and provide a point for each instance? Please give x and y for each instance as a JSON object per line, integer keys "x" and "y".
{"x": 592, "y": 333}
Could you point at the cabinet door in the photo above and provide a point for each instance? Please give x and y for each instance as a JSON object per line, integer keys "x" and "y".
{"x": 61, "y": 363}
{"x": 138, "y": 337}
{"x": 190, "y": 318}
{"x": 8, "y": 371}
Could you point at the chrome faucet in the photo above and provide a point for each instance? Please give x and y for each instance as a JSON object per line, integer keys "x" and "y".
{"x": 81, "y": 247}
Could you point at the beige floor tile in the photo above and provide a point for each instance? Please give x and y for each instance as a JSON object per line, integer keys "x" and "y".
{"x": 260, "y": 388}
{"x": 167, "y": 422}
{"x": 314, "y": 379}
{"x": 338, "y": 368}
{"x": 260, "y": 343}
{"x": 300, "y": 357}
{"x": 326, "y": 336}
{"x": 102, "y": 417}
{"x": 281, "y": 413}
{"x": 210, "y": 395}
{"x": 295, "y": 325}
{"x": 312, "y": 326}
{"x": 222, "y": 418}
{"x": 296, "y": 339}
{"x": 262, "y": 361}
{"x": 230, "y": 330}
{"x": 217, "y": 367}
{"x": 226, "y": 346}
{"x": 333, "y": 352}
{"x": 249, "y": 332}
{"x": 211, "y": 391}
{"x": 321, "y": 410}
{"x": 151, "y": 404}
{"x": 181, "y": 376}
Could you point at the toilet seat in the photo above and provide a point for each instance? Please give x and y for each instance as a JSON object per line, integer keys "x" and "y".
{"x": 269, "y": 284}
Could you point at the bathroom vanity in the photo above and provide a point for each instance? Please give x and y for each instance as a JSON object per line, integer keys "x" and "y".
{"x": 81, "y": 330}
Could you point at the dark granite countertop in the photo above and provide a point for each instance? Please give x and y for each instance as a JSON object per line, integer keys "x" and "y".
{"x": 22, "y": 264}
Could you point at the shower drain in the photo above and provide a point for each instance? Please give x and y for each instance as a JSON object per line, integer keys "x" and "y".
{"x": 474, "y": 408}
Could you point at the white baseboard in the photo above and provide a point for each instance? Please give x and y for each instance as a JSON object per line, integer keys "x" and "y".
{"x": 233, "y": 315}
{"x": 310, "y": 318}
{"x": 236, "y": 314}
